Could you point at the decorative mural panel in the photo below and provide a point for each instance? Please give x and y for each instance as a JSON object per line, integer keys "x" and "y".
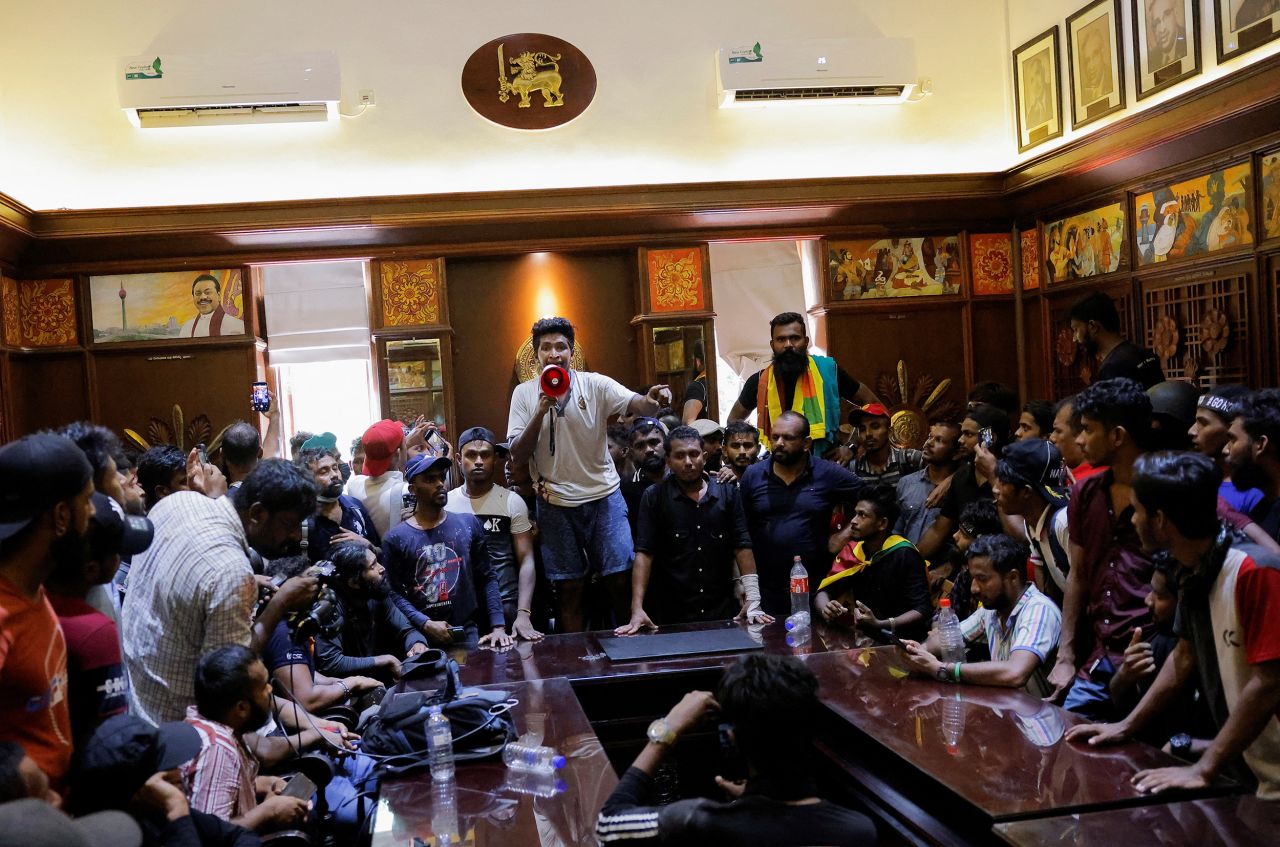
{"x": 9, "y": 305}
{"x": 411, "y": 293}
{"x": 1271, "y": 195}
{"x": 166, "y": 306}
{"x": 39, "y": 312}
{"x": 991, "y": 260}
{"x": 1030, "y": 260}
{"x": 874, "y": 268}
{"x": 675, "y": 280}
{"x": 1195, "y": 217}
{"x": 1200, "y": 328}
{"x": 1086, "y": 245}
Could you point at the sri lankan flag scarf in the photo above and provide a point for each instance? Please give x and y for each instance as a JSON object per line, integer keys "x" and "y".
{"x": 852, "y": 560}
{"x": 809, "y": 399}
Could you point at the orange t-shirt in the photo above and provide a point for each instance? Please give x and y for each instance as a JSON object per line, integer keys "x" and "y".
{"x": 33, "y": 681}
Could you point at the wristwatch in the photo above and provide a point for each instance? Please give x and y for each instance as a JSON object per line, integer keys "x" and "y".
{"x": 1180, "y": 745}
{"x": 943, "y": 673}
{"x": 660, "y": 733}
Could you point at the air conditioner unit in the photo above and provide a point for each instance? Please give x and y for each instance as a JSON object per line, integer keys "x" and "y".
{"x": 219, "y": 89}
{"x": 818, "y": 70}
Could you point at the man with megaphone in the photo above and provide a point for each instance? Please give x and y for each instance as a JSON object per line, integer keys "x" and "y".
{"x": 558, "y": 426}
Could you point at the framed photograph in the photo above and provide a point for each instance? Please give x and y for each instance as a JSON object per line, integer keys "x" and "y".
{"x": 1085, "y": 244}
{"x": 182, "y": 305}
{"x": 1094, "y": 62}
{"x": 1206, "y": 214}
{"x": 1166, "y": 43}
{"x": 875, "y": 268}
{"x": 1036, "y": 92}
{"x": 1244, "y": 24}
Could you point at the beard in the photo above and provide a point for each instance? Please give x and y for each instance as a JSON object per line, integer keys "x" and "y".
{"x": 258, "y": 718}
{"x": 791, "y": 362}
{"x": 653, "y": 464}
{"x": 788, "y": 459}
{"x": 1247, "y": 476}
{"x": 331, "y": 491}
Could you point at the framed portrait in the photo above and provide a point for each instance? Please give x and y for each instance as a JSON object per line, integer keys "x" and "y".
{"x": 1094, "y": 62}
{"x": 1166, "y": 43}
{"x": 1244, "y": 24}
{"x": 167, "y": 306}
{"x": 1193, "y": 217}
{"x": 876, "y": 268}
{"x": 1085, "y": 244}
{"x": 1036, "y": 93}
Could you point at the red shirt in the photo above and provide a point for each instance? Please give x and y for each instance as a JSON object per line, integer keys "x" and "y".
{"x": 33, "y": 681}
{"x": 95, "y": 671}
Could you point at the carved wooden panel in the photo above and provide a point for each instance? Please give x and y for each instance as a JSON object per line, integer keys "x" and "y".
{"x": 1198, "y": 324}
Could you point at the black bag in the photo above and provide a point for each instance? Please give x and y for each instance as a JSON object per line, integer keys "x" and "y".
{"x": 396, "y": 734}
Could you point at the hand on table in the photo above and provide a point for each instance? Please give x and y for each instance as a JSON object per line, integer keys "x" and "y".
{"x": 919, "y": 659}
{"x": 1155, "y": 781}
{"x": 523, "y": 628}
{"x": 498, "y": 638}
{"x": 639, "y": 620}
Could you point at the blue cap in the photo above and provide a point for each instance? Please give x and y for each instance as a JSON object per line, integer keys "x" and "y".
{"x": 422, "y": 463}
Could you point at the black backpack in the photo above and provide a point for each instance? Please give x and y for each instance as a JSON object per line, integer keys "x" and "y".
{"x": 396, "y": 734}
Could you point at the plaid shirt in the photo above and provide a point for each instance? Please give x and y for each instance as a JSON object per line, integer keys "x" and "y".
{"x": 1034, "y": 625}
{"x": 220, "y": 779}
{"x": 192, "y": 591}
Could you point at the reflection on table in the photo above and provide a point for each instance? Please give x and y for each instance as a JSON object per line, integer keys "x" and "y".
{"x": 488, "y": 805}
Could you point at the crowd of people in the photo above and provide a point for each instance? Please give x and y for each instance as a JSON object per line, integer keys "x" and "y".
{"x": 185, "y": 626}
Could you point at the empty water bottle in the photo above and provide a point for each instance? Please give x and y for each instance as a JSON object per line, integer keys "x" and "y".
{"x": 799, "y": 587}
{"x": 439, "y": 745}
{"x": 949, "y": 634}
{"x": 953, "y": 723}
{"x": 799, "y": 620}
{"x": 535, "y": 783}
{"x": 798, "y": 639}
{"x": 530, "y": 757}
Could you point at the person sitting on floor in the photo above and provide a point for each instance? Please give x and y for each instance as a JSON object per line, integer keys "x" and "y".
{"x": 771, "y": 703}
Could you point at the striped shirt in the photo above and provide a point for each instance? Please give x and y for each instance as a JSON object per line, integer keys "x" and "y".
{"x": 192, "y": 591}
{"x": 220, "y": 779}
{"x": 1034, "y": 625}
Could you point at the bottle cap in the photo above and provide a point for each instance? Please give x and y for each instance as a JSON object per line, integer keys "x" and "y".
{"x": 946, "y": 603}
{"x": 558, "y": 762}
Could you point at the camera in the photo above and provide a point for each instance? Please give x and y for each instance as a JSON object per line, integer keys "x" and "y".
{"x": 324, "y": 611}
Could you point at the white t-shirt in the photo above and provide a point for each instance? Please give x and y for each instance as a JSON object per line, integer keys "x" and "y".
{"x": 502, "y": 514}
{"x": 382, "y": 495}
{"x": 581, "y": 470}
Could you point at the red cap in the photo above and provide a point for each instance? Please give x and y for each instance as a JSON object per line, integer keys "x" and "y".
{"x": 381, "y": 441}
{"x": 874, "y": 410}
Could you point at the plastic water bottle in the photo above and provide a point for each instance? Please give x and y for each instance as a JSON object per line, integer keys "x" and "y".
{"x": 799, "y": 587}
{"x": 953, "y": 715}
{"x": 949, "y": 635}
{"x": 535, "y": 783}
{"x": 439, "y": 745}
{"x": 533, "y": 758}
{"x": 799, "y": 620}
{"x": 798, "y": 639}
{"x": 444, "y": 812}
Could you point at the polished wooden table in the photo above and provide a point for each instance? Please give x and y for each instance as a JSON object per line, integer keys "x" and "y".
{"x": 943, "y": 763}
{"x": 488, "y": 806}
{"x": 1218, "y": 822}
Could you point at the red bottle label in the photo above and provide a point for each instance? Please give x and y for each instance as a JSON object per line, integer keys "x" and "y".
{"x": 799, "y": 585}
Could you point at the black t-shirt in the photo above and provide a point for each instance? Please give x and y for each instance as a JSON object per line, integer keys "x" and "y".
{"x": 697, "y": 390}
{"x": 1268, "y": 517}
{"x": 964, "y": 490}
{"x": 892, "y": 585}
{"x": 847, "y": 385}
{"x": 282, "y": 650}
{"x": 1130, "y": 360}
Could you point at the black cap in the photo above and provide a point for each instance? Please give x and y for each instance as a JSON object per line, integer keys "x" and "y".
{"x": 36, "y": 472}
{"x": 1037, "y": 463}
{"x": 113, "y": 533}
{"x": 123, "y": 754}
{"x": 478, "y": 433}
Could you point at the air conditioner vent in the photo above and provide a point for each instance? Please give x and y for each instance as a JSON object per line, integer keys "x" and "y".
{"x": 841, "y": 93}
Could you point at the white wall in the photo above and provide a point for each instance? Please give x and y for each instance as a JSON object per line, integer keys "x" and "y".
{"x": 64, "y": 142}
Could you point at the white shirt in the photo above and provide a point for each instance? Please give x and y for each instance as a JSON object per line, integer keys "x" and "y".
{"x": 1042, "y": 553}
{"x": 230, "y": 326}
{"x": 581, "y": 470}
{"x": 192, "y": 591}
{"x": 382, "y": 495}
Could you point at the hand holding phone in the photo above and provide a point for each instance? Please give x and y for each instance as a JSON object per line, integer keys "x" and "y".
{"x": 260, "y": 397}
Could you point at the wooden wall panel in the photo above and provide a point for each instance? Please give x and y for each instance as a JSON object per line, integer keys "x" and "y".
{"x": 1038, "y": 381}
{"x": 494, "y": 302}
{"x": 995, "y": 344}
{"x": 47, "y": 391}
{"x": 132, "y": 387}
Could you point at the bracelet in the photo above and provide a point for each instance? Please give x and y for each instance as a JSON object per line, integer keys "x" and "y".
{"x": 957, "y": 670}
{"x": 345, "y": 689}
{"x": 893, "y": 625}
{"x": 525, "y": 611}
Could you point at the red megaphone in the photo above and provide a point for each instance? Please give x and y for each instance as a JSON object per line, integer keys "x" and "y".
{"x": 554, "y": 381}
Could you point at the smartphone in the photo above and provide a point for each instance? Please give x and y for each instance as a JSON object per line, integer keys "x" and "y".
{"x": 987, "y": 437}
{"x": 300, "y": 787}
{"x": 437, "y": 443}
{"x": 260, "y": 397}
{"x": 203, "y": 453}
{"x": 892, "y": 639}
{"x": 458, "y": 634}
{"x": 408, "y": 500}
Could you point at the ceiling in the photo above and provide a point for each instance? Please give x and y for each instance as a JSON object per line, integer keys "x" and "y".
{"x": 65, "y": 143}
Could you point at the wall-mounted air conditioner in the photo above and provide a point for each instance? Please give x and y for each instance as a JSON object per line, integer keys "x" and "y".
{"x": 218, "y": 89}
{"x": 818, "y": 70}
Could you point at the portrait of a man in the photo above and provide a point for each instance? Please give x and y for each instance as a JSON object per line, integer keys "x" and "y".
{"x": 1094, "y": 50}
{"x": 210, "y": 318}
{"x": 1166, "y": 31}
{"x": 1039, "y": 94}
{"x": 1251, "y": 11}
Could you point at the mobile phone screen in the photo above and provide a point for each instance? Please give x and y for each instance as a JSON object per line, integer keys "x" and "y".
{"x": 260, "y": 397}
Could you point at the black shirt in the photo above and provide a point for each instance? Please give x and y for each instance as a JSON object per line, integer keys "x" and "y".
{"x": 1132, "y": 361}
{"x": 1267, "y": 513}
{"x": 355, "y": 517}
{"x": 693, "y": 547}
{"x": 364, "y": 627}
{"x": 632, "y": 490}
{"x": 697, "y": 390}
{"x": 891, "y": 586}
{"x": 793, "y": 520}
{"x": 964, "y": 490}
{"x": 847, "y": 386}
{"x": 628, "y": 818}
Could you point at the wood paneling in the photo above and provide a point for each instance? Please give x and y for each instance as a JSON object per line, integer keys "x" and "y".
{"x": 494, "y": 302}
{"x": 995, "y": 346}
{"x": 48, "y": 391}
